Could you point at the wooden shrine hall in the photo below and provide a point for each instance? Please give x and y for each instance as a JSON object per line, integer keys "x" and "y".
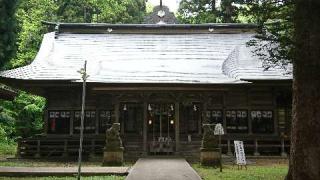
{"x": 161, "y": 82}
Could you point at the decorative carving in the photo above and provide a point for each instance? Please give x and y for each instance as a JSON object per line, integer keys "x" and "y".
{"x": 113, "y": 152}
{"x": 209, "y": 140}
{"x": 209, "y": 152}
{"x": 113, "y": 140}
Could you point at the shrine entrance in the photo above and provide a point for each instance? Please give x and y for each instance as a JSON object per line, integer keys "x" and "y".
{"x": 161, "y": 128}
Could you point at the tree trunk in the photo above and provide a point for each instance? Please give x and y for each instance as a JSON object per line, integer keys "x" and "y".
{"x": 305, "y": 136}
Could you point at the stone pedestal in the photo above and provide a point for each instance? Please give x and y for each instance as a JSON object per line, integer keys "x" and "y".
{"x": 210, "y": 157}
{"x": 113, "y": 151}
{"x": 112, "y": 158}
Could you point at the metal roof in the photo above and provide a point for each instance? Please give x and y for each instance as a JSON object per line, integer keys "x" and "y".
{"x": 205, "y": 58}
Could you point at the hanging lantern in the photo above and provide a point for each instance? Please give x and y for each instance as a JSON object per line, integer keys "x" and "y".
{"x": 171, "y": 121}
{"x": 125, "y": 107}
{"x": 195, "y": 108}
{"x": 150, "y": 122}
{"x": 149, "y": 107}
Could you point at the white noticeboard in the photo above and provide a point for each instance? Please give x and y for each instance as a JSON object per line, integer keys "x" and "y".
{"x": 240, "y": 155}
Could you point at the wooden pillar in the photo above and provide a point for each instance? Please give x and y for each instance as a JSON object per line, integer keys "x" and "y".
{"x": 283, "y": 152}
{"x": 229, "y": 153}
{"x": 92, "y": 153}
{"x": 46, "y": 120}
{"x": 256, "y": 151}
{"x": 37, "y": 155}
{"x": 249, "y": 112}
{"x": 249, "y": 121}
{"x": 97, "y": 121}
{"x": 177, "y": 125}
{"x": 116, "y": 112}
{"x": 71, "y": 122}
{"x": 275, "y": 113}
{"x": 65, "y": 148}
{"x": 145, "y": 126}
{"x": 224, "y": 117}
{"x": 204, "y": 116}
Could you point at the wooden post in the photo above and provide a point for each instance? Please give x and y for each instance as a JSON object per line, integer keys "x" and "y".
{"x": 249, "y": 121}
{"x": 229, "y": 153}
{"x": 204, "y": 116}
{"x": 37, "y": 155}
{"x": 145, "y": 119}
{"x": 65, "y": 148}
{"x": 71, "y": 122}
{"x": 92, "y": 150}
{"x": 83, "y": 72}
{"x": 46, "y": 120}
{"x": 116, "y": 112}
{"x": 177, "y": 126}
{"x": 256, "y": 152}
{"x": 283, "y": 152}
{"x": 97, "y": 122}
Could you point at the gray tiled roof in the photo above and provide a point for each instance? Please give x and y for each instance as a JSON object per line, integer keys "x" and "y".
{"x": 147, "y": 58}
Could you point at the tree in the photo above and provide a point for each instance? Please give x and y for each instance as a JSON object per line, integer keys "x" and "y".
{"x": 228, "y": 12}
{"x": 107, "y": 11}
{"x": 30, "y": 13}
{"x": 197, "y": 11}
{"x": 208, "y": 11}
{"x": 274, "y": 42}
{"x": 305, "y": 141}
{"x": 7, "y": 30}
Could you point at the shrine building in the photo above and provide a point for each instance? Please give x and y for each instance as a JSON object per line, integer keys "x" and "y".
{"x": 161, "y": 82}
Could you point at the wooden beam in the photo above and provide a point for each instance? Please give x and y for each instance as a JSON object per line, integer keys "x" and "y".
{"x": 158, "y": 88}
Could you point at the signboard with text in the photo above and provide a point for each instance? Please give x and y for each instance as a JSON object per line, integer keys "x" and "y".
{"x": 240, "y": 155}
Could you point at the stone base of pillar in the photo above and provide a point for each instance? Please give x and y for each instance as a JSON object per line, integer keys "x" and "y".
{"x": 64, "y": 155}
{"x": 37, "y": 155}
{"x": 256, "y": 154}
{"x": 210, "y": 157}
{"x": 284, "y": 154}
{"x": 94, "y": 157}
{"x": 112, "y": 158}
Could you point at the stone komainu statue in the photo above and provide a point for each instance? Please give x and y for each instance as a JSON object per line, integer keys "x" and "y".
{"x": 209, "y": 140}
{"x": 113, "y": 140}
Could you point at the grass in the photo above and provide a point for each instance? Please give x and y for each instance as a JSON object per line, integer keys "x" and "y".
{"x": 253, "y": 172}
{"x": 8, "y": 149}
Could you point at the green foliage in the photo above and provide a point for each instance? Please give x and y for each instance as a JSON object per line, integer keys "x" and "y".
{"x": 8, "y": 148}
{"x": 208, "y": 11}
{"x": 197, "y": 11}
{"x": 29, "y": 109}
{"x": 22, "y": 117}
{"x": 30, "y": 13}
{"x": 107, "y": 11}
{"x": 7, "y": 30}
{"x": 274, "y": 40}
